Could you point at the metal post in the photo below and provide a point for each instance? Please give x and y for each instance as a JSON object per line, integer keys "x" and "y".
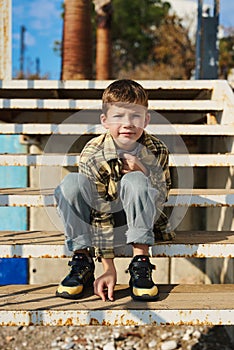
{"x": 216, "y": 15}
{"x": 209, "y": 51}
{"x": 22, "y": 50}
{"x": 198, "y": 39}
{"x": 5, "y": 40}
{"x": 217, "y": 8}
{"x": 38, "y": 67}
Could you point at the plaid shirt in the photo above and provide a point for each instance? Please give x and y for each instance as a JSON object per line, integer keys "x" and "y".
{"x": 100, "y": 162}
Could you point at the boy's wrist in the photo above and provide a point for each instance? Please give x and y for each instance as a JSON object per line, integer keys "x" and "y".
{"x": 108, "y": 264}
{"x": 145, "y": 170}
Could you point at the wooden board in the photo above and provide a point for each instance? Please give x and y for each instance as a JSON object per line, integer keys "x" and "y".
{"x": 177, "y": 304}
{"x": 51, "y": 244}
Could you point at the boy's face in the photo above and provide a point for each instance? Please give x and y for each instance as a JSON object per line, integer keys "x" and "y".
{"x": 125, "y": 123}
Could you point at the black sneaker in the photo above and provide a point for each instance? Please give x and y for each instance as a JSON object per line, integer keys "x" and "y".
{"x": 141, "y": 284}
{"x": 80, "y": 277}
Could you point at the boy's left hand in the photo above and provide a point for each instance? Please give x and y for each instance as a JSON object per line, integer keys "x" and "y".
{"x": 132, "y": 163}
{"x": 104, "y": 285}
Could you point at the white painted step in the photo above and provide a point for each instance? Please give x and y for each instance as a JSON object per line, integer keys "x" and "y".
{"x": 175, "y": 160}
{"x": 73, "y": 104}
{"x": 30, "y": 197}
{"x": 50, "y": 244}
{"x": 102, "y": 84}
{"x": 23, "y": 305}
{"x": 79, "y": 129}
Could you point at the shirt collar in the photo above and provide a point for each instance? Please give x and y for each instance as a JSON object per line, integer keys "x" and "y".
{"x": 147, "y": 152}
{"x": 109, "y": 147}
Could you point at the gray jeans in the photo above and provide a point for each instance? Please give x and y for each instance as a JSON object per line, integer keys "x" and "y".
{"x": 75, "y": 198}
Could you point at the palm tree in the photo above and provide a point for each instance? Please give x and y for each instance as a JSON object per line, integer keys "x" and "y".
{"x": 103, "y": 10}
{"x": 77, "y": 40}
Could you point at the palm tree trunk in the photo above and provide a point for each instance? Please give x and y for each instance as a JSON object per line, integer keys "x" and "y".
{"x": 77, "y": 40}
{"x": 103, "y": 39}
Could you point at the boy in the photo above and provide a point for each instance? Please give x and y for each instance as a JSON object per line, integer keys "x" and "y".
{"x": 123, "y": 175}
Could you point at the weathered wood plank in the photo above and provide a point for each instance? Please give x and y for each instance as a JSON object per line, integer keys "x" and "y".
{"x": 177, "y": 304}
{"x": 46, "y": 244}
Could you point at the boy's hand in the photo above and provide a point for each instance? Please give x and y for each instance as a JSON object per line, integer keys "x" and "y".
{"x": 132, "y": 163}
{"x": 104, "y": 285}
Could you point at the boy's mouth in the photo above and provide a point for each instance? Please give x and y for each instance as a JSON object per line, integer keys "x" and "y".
{"x": 127, "y": 133}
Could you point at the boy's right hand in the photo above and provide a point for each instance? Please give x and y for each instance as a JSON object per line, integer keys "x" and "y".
{"x": 104, "y": 285}
{"x": 132, "y": 163}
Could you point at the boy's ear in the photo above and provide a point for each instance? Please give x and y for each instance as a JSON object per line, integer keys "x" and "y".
{"x": 103, "y": 118}
{"x": 147, "y": 119}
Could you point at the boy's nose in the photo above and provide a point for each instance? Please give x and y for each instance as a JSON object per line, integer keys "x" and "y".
{"x": 127, "y": 121}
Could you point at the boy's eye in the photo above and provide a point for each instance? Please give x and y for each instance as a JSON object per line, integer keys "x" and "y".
{"x": 132, "y": 116}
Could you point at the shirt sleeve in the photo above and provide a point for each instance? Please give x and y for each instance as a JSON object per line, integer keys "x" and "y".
{"x": 159, "y": 175}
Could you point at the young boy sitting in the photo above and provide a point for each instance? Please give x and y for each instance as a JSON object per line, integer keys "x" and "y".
{"x": 123, "y": 175}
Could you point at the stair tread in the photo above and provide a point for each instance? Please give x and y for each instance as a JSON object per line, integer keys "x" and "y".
{"x": 57, "y": 237}
{"x": 102, "y": 84}
{"x": 177, "y": 304}
{"x": 177, "y": 197}
{"x": 90, "y": 104}
{"x": 77, "y": 129}
{"x": 72, "y": 159}
{"x": 51, "y": 244}
{"x": 175, "y": 191}
{"x": 193, "y": 89}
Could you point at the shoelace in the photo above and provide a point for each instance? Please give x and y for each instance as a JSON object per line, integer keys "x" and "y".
{"x": 142, "y": 272}
{"x": 78, "y": 270}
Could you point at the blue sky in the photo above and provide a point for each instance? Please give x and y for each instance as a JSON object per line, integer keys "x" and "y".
{"x": 43, "y": 23}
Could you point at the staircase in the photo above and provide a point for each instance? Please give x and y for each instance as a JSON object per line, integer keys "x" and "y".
{"x": 54, "y": 119}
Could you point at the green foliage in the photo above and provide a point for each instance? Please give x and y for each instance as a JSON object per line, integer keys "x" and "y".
{"x": 172, "y": 57}
{"x": 133, "y": 29}
{"x": 57, "y": 48}
{"x": 226, "y": 54}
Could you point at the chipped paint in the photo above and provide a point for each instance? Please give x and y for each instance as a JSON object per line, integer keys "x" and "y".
{"x": 56, "y": 250}
{"x": 113, "y": 317}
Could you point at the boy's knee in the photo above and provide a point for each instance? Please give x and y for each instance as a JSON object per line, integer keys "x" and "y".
{"x": 135, "y": 179}
{"x": 134, "y": 184}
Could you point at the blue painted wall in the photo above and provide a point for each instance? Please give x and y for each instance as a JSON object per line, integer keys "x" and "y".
{"x": 13, "y": 271}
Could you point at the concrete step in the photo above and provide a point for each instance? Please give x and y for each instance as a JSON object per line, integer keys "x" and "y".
{"x": 79, "y": 129}
{"x": 23, "y": 305}
{"x": 30, "y": 197}
{"x": 90, "y": 104}
{"x": 50, "y": 244}
{"x": 202, "y": 89}
{"x": 72, "y": 159}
